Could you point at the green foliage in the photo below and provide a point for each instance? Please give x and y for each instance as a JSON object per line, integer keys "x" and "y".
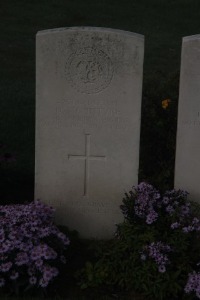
{"x": 119, "y": 264}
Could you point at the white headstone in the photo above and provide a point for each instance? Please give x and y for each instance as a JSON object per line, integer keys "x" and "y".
{"x": 89, "y": 86}
{"x": 187, "y": 169}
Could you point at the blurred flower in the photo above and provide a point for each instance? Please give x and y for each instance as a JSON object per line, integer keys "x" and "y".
{"x": 143, "y": 257}
{"x": 193, "y": 284}
{"x": 165, "y": 103}
{"x": 32, "y": 280}
{"x": 175, "y": 225}
{"x": 14, "y": 275}
{"x": 162, "y": 269}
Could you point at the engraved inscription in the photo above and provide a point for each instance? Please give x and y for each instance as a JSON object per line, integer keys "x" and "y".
{"x": 99, "y": 210}
{"x": 88, "y": 206}
{"x": 87, "y": 157}
{"x": 89, "y": 70}
{"x": 90, "y": 115}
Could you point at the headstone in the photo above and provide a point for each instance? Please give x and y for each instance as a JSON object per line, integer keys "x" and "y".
{"x": 88, "y": 90}
{"x": 187, "y": 169}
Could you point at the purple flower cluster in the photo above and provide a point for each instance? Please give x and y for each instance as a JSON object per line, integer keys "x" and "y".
{"x": 175, "y": 201}
{"x": 193, "y": 284}
{"x": 161, "y": 221}
{"x": 176, "y": 205}
{"x": 148, "y": 204}
{"x": 26, "y": 235}
{"x": 146, "y": 201}
{"x": 193, "y": 226}
{"x": 158, "y": 252}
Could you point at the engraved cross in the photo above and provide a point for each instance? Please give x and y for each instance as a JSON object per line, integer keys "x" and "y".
{"x": 87, "y": 158}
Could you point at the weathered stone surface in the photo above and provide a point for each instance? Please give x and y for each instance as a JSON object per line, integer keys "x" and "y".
{"x": 88, "y": 87}
{"x": 187, "y": 170}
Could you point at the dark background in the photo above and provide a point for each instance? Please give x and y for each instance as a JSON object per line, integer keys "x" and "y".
{"x": 162, "y": 22}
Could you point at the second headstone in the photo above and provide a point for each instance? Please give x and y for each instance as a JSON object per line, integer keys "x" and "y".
{"x": 187, "y": 170}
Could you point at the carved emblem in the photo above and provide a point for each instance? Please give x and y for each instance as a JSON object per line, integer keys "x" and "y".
{"x": 89, "y": 70}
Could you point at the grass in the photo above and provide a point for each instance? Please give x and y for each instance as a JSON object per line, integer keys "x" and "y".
{"x": 163, "y": 22}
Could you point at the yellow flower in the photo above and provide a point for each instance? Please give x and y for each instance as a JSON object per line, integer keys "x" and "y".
{"x": 165, "y": 103}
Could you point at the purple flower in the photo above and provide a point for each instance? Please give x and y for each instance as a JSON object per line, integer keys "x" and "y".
{"x": 49, "y": 272}
{"x": 2, "y": 235}
{"x": 151, "y": 217}
{"x": 43, "y": 282}
{"x": 188, "y": 229}
{"x": 38, "y": 263}
{"x": 165, "y": 200}
{"x": 22, "y": 259}
{"x": 193, "y": 284}
{"x": 14, "y": 275}
{"x": 195, "y": 221}
{"x": 63, "y": 238}
{"x": 36, "y": 253}
{"x": 44, "y": 232}
{"x": 185, "y": 210}
{"x": 50, "y": 253}
{"x": 3, "y": 257}
{"x": 175, "y": 225}
{"x": 32, "y": 280}
{"x": 26, "y": 246}
{"x": 162, "y": 269}
{"x": 147, "y": 201}
{"x": 5, "y": 246}
{"x": 157, "y": 251}
{"x": 170, "y": 209}
{"x": 5, "y": 267}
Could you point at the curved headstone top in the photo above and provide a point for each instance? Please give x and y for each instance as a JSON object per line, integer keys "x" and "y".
{"x": 88, "y": 107}
{"x": 191, "y": 38}
{"x": 89, "y": 28}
